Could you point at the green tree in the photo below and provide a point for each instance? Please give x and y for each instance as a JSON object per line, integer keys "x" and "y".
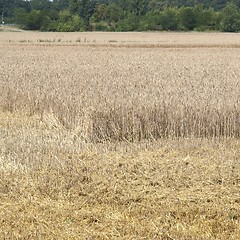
{"x": 86, "y": 10}
{"x": 206, "y": 19}
{"x": 100, "y": 13}
{"x": 114, "y": 13}
{"x": 60, "y": 5}
{"x": 69, "y": 23}
{"x": 139, "y": 7}
{"x": 35, "y": 19}
{"x": 40, "y": 5}
{"x": 77, "y": 23}
{"x": 168, "y": 19}
{"x": 155, "y": 5}
{"x": 150, "y": 22}
{"x": 230, "y": 21}
{"x": 20, "y": 17}
{"x": 187, "y": 18}
{"x": 129, "y": 23}
{"x": 73, "y": 6}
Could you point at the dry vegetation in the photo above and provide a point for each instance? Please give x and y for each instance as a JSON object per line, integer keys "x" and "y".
{"x": 119, "y": 136}
{"x": 131, "y": 39}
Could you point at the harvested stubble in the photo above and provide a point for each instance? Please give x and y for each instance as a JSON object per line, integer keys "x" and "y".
{"x": 50, "y": 189}
{"x": 119, "y": 143}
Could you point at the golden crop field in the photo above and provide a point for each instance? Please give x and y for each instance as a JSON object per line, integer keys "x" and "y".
{"x": 119, "y": 135}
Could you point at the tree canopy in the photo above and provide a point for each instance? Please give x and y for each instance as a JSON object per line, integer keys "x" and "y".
{"x": 123, "y": 15}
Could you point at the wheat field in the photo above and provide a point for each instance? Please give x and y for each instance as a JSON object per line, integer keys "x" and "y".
{"x": 119, "y": 135}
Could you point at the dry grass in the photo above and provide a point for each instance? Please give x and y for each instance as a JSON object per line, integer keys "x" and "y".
{"x": 143, "y": 39}
{"x": 111, "y": 142}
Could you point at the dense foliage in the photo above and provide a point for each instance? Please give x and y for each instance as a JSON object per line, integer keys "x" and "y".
{"x": 123, "y": 15}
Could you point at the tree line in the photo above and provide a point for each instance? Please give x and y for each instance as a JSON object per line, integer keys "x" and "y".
{"x": 123, "y": 15}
